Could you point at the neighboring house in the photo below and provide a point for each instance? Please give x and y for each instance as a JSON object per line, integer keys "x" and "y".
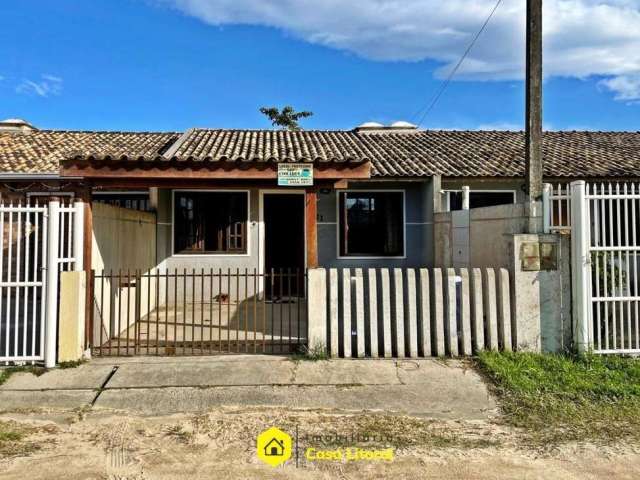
{"x": 372, "y": 202}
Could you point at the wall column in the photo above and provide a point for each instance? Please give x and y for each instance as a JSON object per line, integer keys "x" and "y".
{"x": 311, "y": 210}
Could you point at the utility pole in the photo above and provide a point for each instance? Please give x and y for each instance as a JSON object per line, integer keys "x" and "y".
{"x": 533, "y": 121}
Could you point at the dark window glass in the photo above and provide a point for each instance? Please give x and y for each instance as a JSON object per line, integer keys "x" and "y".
{"x": 371, "y": 224}
{"x": 480, "y": 199}
{"x": 210, "y": 222}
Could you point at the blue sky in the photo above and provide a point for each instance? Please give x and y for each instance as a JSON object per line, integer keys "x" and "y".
{"x": 171, "y": 65}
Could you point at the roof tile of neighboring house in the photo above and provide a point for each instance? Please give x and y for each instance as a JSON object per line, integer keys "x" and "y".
{"x": 41, "y": 151}
{"x": 407, "y": 154}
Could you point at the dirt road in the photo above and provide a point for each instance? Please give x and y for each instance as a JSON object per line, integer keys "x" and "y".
{"x": 221, "y": 444}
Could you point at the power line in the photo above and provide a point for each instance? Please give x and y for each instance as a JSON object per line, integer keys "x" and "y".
{"x": 446, "y": 82}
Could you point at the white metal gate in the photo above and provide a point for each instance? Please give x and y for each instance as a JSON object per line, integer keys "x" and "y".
{"x": 37, "y": 241}
{"x": 605, "y": 229}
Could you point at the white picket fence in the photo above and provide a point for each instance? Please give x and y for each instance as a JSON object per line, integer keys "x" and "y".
{"x": 37, "y": 241}
{"x": 410, "y": 313}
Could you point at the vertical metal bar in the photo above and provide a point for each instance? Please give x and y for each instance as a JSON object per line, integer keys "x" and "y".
{"x": 120, "y": 292}
{"x": 16, "y": 304}
{"x": 193, "y": 310}
{"x": 281, "y": 293}
{"x": 175, "y": 310}
{"x": 166, "y": 309}
{"x": 2, "y": 289}
{"x": 34, "y": 293}
{"x": 137, "y": 331}
{"x": 210, "y": 311}
{"x": 184, "y": 311}
{"x": 128, "y": 307}
{"x": 635, "y": 261}
{"x": 255, "y": 308}
{"x": 229, "y": 310}
{"x": 238, "y": 310}
{"x": 43, "y": 278}
{"x": 618, "y": 244}
{"x": 157, "y": 312}
{"x": 596, "y": 259}
{"x": 147, "y": 274}
{"x": 627, "y": 266}
{"x": 202, "y": 311}
{"x": 52, "y": 285}
{"x": 9, "y": 275}
{"x": 605, "y": 286}
{"x": 27, "y": 288}
{"x": 298, "y": 301}
{"x": 101, "y": 306}
{"x": 289, "y": 305}
{"x": 264, "y": 314}
{"x": 246, "y": 311}
{"x": 220, "y": 309}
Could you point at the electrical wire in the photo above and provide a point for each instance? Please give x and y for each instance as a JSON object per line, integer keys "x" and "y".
{"x": 445, "y": 83}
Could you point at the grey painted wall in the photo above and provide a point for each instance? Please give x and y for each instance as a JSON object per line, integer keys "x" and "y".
{"x": 418, "y": 230}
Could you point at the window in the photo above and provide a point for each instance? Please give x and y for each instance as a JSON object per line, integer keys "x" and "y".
{"x": 371, "y": 224}
{"x": 478, "y": 198}
{"x": 210, "y": 222}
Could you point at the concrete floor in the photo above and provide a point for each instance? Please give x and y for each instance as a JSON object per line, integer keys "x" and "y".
{"x": 162, "y": 385}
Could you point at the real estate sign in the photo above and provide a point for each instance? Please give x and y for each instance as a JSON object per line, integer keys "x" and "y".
{"x": 295, "y": 174}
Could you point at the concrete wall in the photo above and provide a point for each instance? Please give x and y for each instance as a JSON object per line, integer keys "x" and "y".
{"x": 124, "y": 241}
{"x": 479, "y": 237}
{"x": 418, "y": 231}
{"x": 493, "y": 237}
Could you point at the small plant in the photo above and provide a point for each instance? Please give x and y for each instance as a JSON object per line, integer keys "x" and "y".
{"x": 71, "y": 364}
{"x": 286, "y": 119}
{"x": 314, "y": 353}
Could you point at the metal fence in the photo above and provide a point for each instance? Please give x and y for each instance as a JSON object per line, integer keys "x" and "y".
{"x": 180, "y": 312}
{"x": 605, "y": 236}
{"x": 37, "y": 241}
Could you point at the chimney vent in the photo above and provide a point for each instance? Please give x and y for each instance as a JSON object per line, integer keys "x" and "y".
{"x": 16, "y": 125}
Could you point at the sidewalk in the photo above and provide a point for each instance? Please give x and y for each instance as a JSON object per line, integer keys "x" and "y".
{"x": 160, "y": 386}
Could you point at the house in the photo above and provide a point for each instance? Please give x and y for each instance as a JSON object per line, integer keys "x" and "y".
{"x": 275, "y": 448}
{"x": 210, "y": 202}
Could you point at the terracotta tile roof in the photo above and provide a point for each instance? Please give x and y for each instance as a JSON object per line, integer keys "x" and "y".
{"x": 270, "y": 146}
{"x": 41, "y": 151}
{"x": 498, "y": 153}
{"x": 407, "y": 154}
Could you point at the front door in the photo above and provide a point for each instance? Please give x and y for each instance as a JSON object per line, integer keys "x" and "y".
{"x": 284, "y": 243}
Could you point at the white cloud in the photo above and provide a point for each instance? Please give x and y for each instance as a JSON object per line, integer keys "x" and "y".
{"x": 625, "y": 87}
{"x": 582, "y": 37}
{"x": 46, "y": 86}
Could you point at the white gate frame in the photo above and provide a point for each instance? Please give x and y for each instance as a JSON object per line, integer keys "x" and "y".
{"x": 56, "y": 259}
{"x": 61, "y": 249}
{"x": 581, "y": 267}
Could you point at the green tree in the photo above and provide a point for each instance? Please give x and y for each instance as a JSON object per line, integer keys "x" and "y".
{"x": 286, "y": 119}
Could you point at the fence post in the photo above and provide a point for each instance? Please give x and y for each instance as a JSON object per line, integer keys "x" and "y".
{"x": 78, "y": 235}
{"x": 51, "y": 319}
{"x": 546, "y": 207}
{"x": 317, "y": 309}
{"x": 580, "y": 266}
{"x": 465, "y": 197}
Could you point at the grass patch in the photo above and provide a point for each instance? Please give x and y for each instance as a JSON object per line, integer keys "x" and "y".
{"x": 560, "y": 398}
{"x": 12, "y": 440}
{"x": 313, "y": 354}
{"x": 5, "y": 373}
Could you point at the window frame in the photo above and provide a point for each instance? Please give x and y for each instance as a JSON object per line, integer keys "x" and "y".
{"x": 404, "y": 224}
{"x": 448, "y": 191}
{"x": 210, "y": 254}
